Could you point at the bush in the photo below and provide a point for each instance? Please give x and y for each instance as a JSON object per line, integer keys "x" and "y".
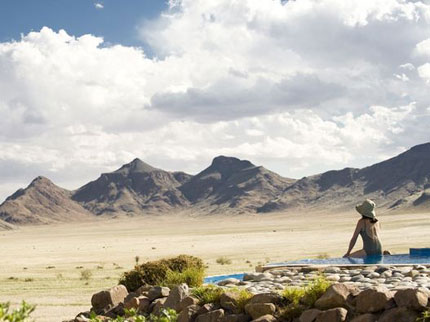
{"x": 243, "y": 297}
{"x": 193, "y": 277}
{"x": 223, "y": 260}
{"x": 207, "y": 294}
{"x": 301, "y": 299}
{"x": 173, "y": 271}
{"x": 86, "y": 274}
{"x": 20, "y": 314}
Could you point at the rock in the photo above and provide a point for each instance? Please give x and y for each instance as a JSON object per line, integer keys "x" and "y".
{"x": 132, "y": 303}
{"x": 335, "y": 296}
{"x": 207, "y": 308}
{"x": 309, "y": 315}
{"x": 227, "y": 281}
{"x": 143, "y": 290}
{"x": 189, "y": 313}
{"x": 332, "y": 270}
{"x": 373, "y": 300}
{"x": 144, "y": 304}
{"x": 256, "y": 310}
{"x": 398, "y": 314}
{"x": 115, "y": 311}
{"x": 411, "y": 299}
{"x": 229, "y": 301}
{"x": 212, "y": 316}
{"x": 187, "y": 301}
{"x": 110, "y": 297}
{"x": 368, "y": 317}
{"x": 157, "y": 292}
{"x": 237, "y": 318}
{"x": 157, "y": 305}
{"x": 333, "y": 315}
{"x": 265, "y": 318}
{"x": 175, "y": 297}
{"x": 274, "y": 298}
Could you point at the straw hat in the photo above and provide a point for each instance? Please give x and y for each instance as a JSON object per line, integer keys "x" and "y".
{"x": 367, "y": 209}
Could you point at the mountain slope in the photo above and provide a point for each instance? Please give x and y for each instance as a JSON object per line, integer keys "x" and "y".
{"x": 230, "y": 184}
{"x": 133, "y": 189}
{"x": 398, "y": 183}
{"x": 42, "y": 202}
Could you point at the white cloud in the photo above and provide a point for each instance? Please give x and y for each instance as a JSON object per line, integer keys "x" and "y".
{"x": 300, "y": 87}
{"x": 99, "y": 5}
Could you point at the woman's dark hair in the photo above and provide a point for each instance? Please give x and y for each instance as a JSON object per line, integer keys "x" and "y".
{"x": 372, "y": 220}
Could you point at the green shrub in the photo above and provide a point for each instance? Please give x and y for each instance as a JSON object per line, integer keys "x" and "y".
{"x": 300, "y": 299}
{"x": 20, "y": 314}
{"x": 424, "y": 317}
{"x": 166, "y": 315}
{"x": 193, "y": 277}
{"x": 223, "y": 260}
{"x": 170, "y": 271}
{"x": 243, "y": 297}
{"x": 207, "y": 294}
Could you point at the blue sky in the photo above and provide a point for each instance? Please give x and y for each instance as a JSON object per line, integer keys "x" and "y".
{"x": 117, "y": 21}
{"x": 300, "y": 87}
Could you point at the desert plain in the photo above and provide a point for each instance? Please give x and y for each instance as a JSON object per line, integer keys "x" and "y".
{"x": 59, "y": 267}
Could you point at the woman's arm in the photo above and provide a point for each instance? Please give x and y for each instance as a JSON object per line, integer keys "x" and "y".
{"x": 354, "y": 238}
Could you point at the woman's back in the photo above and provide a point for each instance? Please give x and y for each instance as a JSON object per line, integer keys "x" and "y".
{"x": 370, "y": 235}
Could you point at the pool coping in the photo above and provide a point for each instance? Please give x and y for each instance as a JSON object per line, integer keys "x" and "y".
{"x": 261, "y": 269}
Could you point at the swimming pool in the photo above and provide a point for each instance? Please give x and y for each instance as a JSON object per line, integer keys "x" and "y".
{"x": 218, "y": 278}
{"x": 400, "y": 259}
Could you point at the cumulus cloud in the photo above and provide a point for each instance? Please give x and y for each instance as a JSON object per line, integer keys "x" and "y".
{"x": 298, "y": 86}
{"x": 98, "y": 5}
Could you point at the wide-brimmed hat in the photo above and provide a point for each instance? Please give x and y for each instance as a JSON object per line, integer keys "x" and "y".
{"x": 367, "y": 209}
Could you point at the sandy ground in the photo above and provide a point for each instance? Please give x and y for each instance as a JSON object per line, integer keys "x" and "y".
{"x": 43, "y": 265}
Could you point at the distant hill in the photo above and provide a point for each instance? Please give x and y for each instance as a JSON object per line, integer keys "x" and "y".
{"x": 233, "y": 185}
{"x": 42, "y": 202}
{"x": 133, "y": 189}
{"x": 227, "y": 186}
{"x": 399, "y": 183}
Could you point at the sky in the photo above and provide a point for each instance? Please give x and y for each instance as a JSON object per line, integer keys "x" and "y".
{"x": 300, "y": 87}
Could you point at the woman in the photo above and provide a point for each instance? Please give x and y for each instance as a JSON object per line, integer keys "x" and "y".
{"x": 368, "y": 227}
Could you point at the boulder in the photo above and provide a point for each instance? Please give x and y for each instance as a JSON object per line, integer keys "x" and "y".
{"x": 265, "y": 318}
{"x": 274, "y": 298}
{"x": 333, "y": 315}
{"x": 176, "y": 295}
{"x": 157, "y": 292}
{"x": 227, "y": 281}
{"x": 157, "y": 305}
{"x": 411, "y": 299}
{"x": 208, "y": 307}
{"x": 373, "y": 300}
{"x": 131, "y": 303}
{"x": 335, "y": 296}
{"x": 189, "y": 313}
{"x": 399, "y": 314}
{"x": 309, "y": 315}
{"x": 229, "y": 302}
{"x": 237, "y": 318}
{"x": 144, "y": 304}
{"x": 110, "y": 297}
{"x": 187, "y": 301}
{"x": 256, "y": 310}
{"x": 212, "y": 316}
{"x": 368, "y": 317}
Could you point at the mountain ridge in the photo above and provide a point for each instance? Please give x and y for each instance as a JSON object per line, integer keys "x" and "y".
{"x": 227, "y": 185}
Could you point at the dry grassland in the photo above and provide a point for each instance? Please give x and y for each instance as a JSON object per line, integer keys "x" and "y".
{"x": 43, "y": 264}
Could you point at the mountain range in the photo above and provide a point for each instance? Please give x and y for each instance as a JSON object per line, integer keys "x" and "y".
{"x": 228, "y": 185}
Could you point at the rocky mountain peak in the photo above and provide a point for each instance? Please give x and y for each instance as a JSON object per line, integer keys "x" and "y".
{"x": 136, "y": 166}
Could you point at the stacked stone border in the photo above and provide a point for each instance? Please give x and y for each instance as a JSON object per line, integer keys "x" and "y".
{"x": 360, "y": 293}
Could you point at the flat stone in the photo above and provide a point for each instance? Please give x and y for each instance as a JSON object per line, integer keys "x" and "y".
{"x": 187, "y": 301}
{"x": 236, "y": 318}
{"x": 265, "y": 318}
{"x": 233, "y": 281}
{"x": 274, "y": 298}
{"x": 188, "y": 314}
{"x": 157, "y": 305}
{"x": 176, "y": 295}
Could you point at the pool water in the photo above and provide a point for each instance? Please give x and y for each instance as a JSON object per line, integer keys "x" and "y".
{"x": 218, "y": 278}
{"x": 383, "y": 260}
